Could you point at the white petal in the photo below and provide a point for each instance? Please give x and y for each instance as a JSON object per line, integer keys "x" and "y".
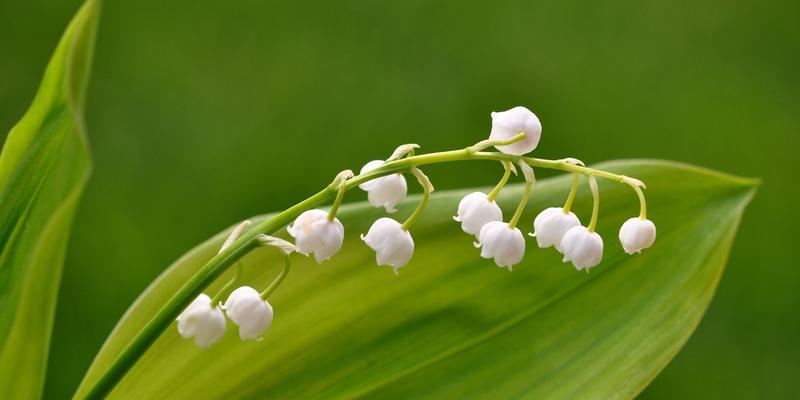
{"x": 393, "y": 246}
{"x": 247, "y": 310}
{"x": 388, "y": 191}
{"x": 505, "y": 245}
{"x": 583, "y": 248}
{"x": 637, "y": 234}
{"x": 202, "y": 321}
{"x": 551, "y": 225}
{"x": 315, "y": 233}
{"x": 475, "y": 211}
{"x": 508, "y": 124}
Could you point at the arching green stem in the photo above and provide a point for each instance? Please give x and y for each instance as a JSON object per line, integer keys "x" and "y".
{"x": 228, "y": 286}
{"x": 217, "y": 265}
{"x": 339, "y": 184}
{"x": 281, "y": 276}
{"x": 576, "y": 180}
{"x": 427, "y": 190}
{"x": 521, "y": 206}
{"x": 484, "y": 144}
{"x": 506, "y": 174}
{"x": 642, "y": 202}
{"x": 596, "y": 205}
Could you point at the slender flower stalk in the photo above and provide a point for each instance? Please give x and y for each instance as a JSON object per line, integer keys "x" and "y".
{"x": 642, "y": 202}
{"x": 427, "y": 188}
{"x": 576, "y": 180}
{"x": 287, "y": 265}
{"x": 228, "y": 286}
{"x": 340, "y": 184}
{"x": 253, "y": 238}
{"x": 529, "y": 180}
{"x": 595, "y": 203}
{"x": 509, "y": 167}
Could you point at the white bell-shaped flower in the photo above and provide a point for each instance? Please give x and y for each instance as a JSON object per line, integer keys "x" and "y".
{"x": 500, "y": 241}
{"x": 385, "y": 191}
{"x": 583, "y": 248}
{"x": 315, "y": 233}
{"x": 507, "y": 124}
{"x": 637, "y": 234}
{"x": 475, "y": 210}
{"x": 392, "y": 244}
{"x": 550, "y": 226}
{"x": 201, "y": 321}
{"x": 249, "y": 312}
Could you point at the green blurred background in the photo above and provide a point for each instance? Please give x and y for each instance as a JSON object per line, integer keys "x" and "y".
{"x": 202, "y": 113}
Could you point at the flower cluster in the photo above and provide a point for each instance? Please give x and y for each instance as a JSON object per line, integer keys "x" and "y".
{"x": 514, "y": 133}
{"x": 204, "y": 319}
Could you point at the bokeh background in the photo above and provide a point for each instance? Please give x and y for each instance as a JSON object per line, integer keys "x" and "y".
{"x": 202, "y": 113}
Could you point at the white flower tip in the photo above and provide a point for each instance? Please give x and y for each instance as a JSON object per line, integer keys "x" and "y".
{"x": 284, "y": 246}
{"x": 573, "y": 161}
{"x": 527, "y": 171}
{"x": 320, "y": 260}
{"x": 532, "y": 234}
{"x": 341, "y": 178}
{"x": 396, "y": 271}
{"x": 235, "y": 233}
{"x": 390, "y": 208}
{"x": 633, "y": 182}
{"x": 402, "y": 150}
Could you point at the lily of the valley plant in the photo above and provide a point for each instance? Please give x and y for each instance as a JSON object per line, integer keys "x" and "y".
{"x": 320, "y": 234}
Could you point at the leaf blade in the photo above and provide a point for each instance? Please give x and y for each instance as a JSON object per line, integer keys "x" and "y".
{"x": 444, "y": 328}
{"x": 44, "y": 166}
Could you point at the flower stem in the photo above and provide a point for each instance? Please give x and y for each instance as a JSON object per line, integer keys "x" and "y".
{"x": 218, "y": 264}
{"x": 339, "y": 183}
{"x": 277, "y": 282}
{"x": 483, "y": 144}
{"x": 521, "y": 207}
{"x": 596, "y": 205}
{"x": 225, "y": 289}
{"x": 642, "y": 202}
{"x": 576, "y": 180}
{"x": 427, "y": 188}
{"x": 506, "y": 174}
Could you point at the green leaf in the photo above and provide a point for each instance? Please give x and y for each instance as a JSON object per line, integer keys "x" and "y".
{"x": 453, "y": 325}
{"x": 44, "y": 166}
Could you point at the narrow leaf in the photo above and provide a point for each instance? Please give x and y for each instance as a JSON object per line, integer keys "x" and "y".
{"x": 453, "y": 325}
{"x": 44, "y": 166}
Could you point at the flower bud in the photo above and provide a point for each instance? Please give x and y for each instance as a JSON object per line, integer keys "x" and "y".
{"x": 475, "y": 210}
{"x": 248, "y": 311}
{"x": 385, "y": 191}
{"x": 507, "y": 124}
{"x": 392, "y": 244}
{"x": 550, "y": 226}
{"x": 583, "y": 248}
{"x": 206, "y": 324}
{"x": 500, "y": 241}
{"x": 315, "y": 233}
{"x": 637, "y": 234}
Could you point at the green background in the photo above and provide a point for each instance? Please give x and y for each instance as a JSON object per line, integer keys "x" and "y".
{"x": 202, "y": 113}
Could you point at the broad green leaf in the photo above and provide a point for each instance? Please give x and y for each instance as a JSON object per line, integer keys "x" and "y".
{"x": 44, "y": 166}
{"x": 453, "y": 325}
